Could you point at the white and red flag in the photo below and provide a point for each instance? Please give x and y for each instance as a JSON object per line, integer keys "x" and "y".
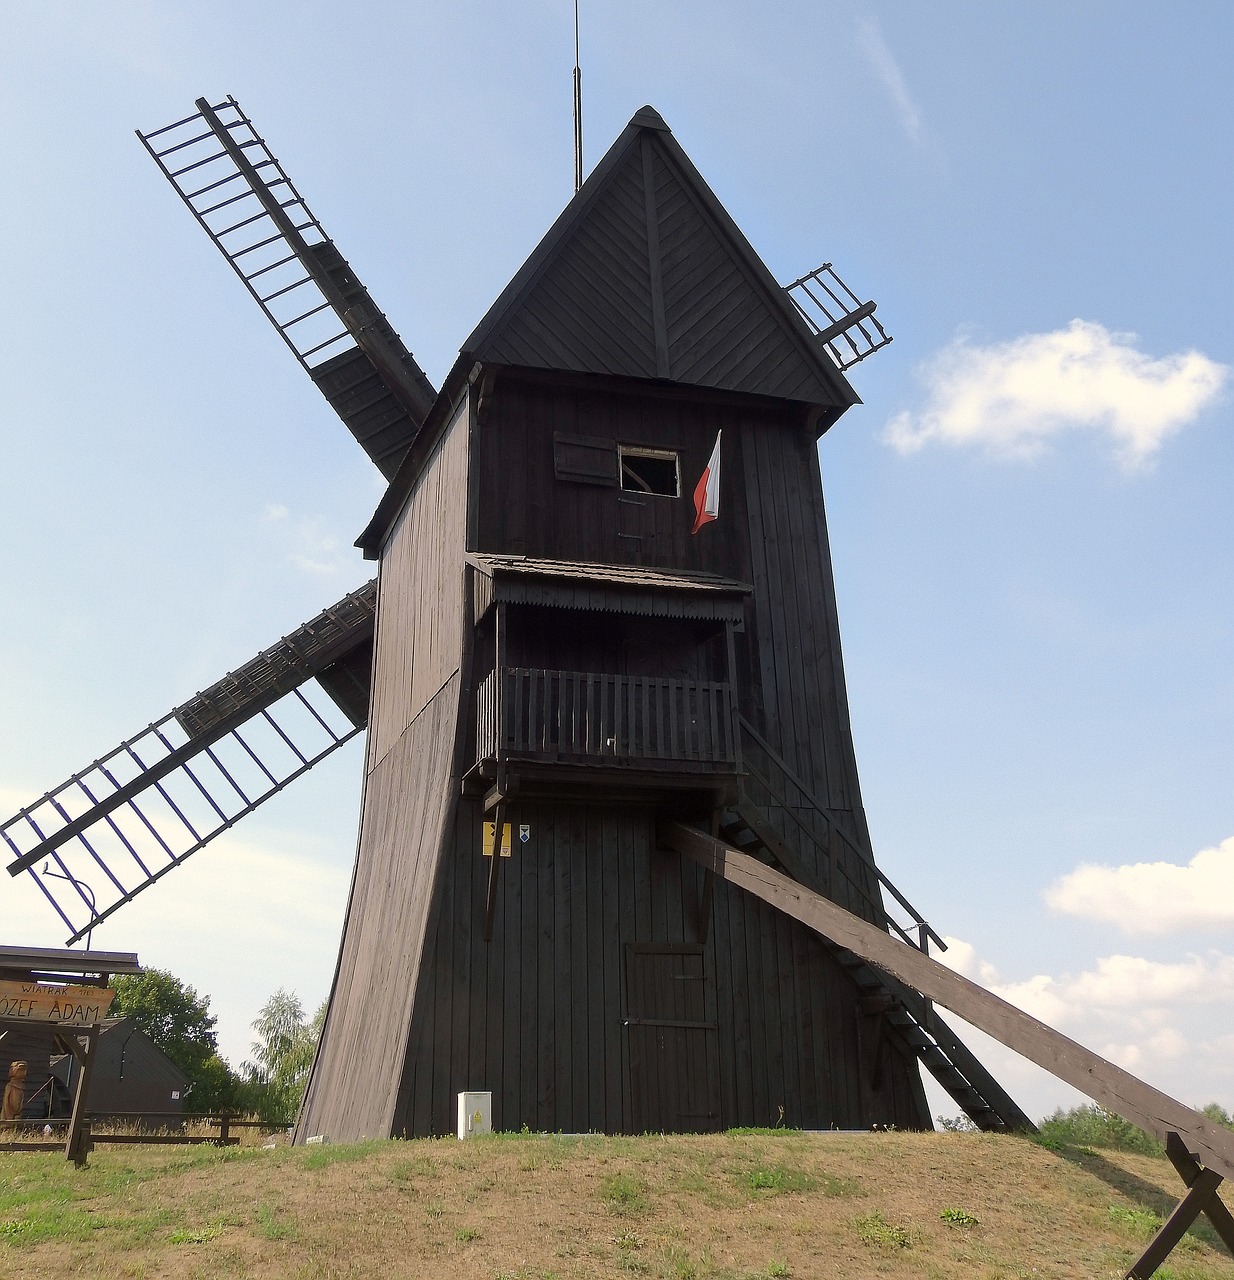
{"x": 707, "y": 491}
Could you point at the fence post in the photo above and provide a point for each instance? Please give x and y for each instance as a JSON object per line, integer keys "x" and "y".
{"x": 224, "y": 1127}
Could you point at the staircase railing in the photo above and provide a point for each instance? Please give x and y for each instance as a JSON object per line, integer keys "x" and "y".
{"x": 919, "y": 933}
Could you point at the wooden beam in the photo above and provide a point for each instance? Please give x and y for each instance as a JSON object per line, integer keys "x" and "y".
{"x": 78, "y": 1147}
{"x": 1115, "y": 1089}
{"x": 1202, "y": 1192}
{"x": 490, "y": 896}
{"x": 1189, "y": 1168}
{"x": 659, "y": 325}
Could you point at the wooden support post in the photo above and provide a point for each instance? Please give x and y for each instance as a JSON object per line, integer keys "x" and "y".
{"x": 1203, "y": 1190}
{"x": 490, "y": 899}
{"x": 1201, "y": 1197}
{"x": 78, "y": 1145}
{"x": 1189, "y": 1170}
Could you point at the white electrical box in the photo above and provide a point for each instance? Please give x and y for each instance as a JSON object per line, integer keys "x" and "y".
{"x": 475, "y": 1114}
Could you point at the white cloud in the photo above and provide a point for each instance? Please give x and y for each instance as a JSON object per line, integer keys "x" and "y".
{"x": 308, "y": 541}
{"x": 238, "y": 919}
{"x": 874, "y": 46}
{"x": 1170, "y": 1022}
{"x": 1116, "y": 986}
{"x": 1153, "y": 897}
{"x": 1011, "y": 398}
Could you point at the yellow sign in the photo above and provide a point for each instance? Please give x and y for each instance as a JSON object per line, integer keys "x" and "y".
{"x": 490, "y": 829}
{"x": 75, "y": 1006}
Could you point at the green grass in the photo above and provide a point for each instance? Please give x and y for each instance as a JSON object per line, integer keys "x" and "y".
{"x": 779, "y": 1181}
{"x": 624, "y": 1193}
{"x": 1141, "y": 1223}
{"x": 873, "y": 1229}
{"x": 321, "y": 1157}
{"x": 195, "y": 1235}
{"x": 273, "y": 1225}
{"x": 752, "y": 1206}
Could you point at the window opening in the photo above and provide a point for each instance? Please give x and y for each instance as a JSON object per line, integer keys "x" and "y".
{"x": 650, "y": 471}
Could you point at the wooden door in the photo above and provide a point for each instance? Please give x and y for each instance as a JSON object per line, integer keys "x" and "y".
{"x": 674, "y": 1057}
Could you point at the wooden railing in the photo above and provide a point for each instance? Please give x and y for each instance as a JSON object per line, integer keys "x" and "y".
{"x": 850, "y": 874}
{"x": 585, "y": 717}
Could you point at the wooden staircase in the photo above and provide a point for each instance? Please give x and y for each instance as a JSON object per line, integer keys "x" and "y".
{"x": 909, "y": 1020}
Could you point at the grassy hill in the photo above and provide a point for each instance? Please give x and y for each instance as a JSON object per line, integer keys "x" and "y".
{"x": 532, "y": 1207}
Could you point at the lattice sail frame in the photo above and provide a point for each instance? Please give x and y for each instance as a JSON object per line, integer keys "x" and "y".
{"x": 141, "y": 810}
{"x": 241, "y": 197}
{"x": 843, "y": 324}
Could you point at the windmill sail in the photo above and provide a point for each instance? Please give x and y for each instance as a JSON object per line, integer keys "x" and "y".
{"x": 237, "y": 190}
{"x": 125, "y": 821}
{"x": 842, "y": 324}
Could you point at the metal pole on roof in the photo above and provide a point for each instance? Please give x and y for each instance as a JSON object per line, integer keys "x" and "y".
{"x": 578, "y": 110}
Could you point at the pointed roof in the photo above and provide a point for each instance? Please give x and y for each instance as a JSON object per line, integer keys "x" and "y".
{"x": 645, "y": 275}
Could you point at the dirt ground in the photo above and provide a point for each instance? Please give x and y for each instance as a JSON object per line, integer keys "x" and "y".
{"x": 534, "y": 1207}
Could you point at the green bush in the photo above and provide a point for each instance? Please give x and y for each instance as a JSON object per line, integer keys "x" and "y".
{"x": 1092, "y": 1126}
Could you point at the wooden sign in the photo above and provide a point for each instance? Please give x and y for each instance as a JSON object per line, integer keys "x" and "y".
{"x": 75, "y": 1006}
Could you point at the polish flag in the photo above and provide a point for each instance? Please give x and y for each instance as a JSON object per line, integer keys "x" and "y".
{"x": 707, "y": 491}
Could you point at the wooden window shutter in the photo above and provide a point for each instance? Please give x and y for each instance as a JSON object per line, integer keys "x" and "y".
{"x": 584, "y": 459}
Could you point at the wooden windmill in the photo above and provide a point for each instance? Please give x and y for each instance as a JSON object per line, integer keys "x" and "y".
{"x": 558, "y": 670}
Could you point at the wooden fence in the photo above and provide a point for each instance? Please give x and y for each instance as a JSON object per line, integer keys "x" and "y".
{"x": 130, "y": 1128}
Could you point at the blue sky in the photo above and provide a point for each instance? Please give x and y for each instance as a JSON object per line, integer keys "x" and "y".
{"x": 1029, "y": 517}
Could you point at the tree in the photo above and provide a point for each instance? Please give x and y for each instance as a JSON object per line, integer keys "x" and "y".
{"x": 179, "y": 1021}
{"x": 282, "y": 1056}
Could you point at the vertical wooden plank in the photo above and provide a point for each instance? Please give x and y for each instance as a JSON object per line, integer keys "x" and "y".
{"x": 546, "y": 1027}
{"x": 510, "y": 912}
{"x": 528, "y": 873}
{"x": 596, "y": 957}
{"x": 580, "y": 1006}
{"x": 613, "y": 1083}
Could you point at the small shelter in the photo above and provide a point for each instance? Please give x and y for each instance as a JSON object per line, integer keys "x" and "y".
{"x": 133, "y": 1077}
{"x": 53, "y": 1001}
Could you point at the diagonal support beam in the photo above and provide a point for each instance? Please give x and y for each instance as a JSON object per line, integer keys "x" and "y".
{"x": 1203, "y": 1191}
{"x": 1201, "y": 1198}
{"x": 1189, "y": 1169}
{"x": 1117, "y": 1090}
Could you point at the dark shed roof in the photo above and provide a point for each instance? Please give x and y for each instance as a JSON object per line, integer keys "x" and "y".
{"x": 644, "y": 275}
{"x": 62, "y": 960}
{"x": 604, "y": 588}
{"x": 124, "y": 1050}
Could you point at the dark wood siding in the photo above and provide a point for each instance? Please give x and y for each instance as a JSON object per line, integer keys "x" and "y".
{"x": 644, "y": 319}
{"x": 524, "y": 509}
{"x": 538, "y": 1015}
{"x": 771, "y": 533}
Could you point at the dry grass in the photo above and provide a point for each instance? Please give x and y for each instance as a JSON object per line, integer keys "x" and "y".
{"x": 535, "y": 1207}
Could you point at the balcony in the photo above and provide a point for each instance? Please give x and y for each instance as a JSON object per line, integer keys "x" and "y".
{"x": 636, "y": 723}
